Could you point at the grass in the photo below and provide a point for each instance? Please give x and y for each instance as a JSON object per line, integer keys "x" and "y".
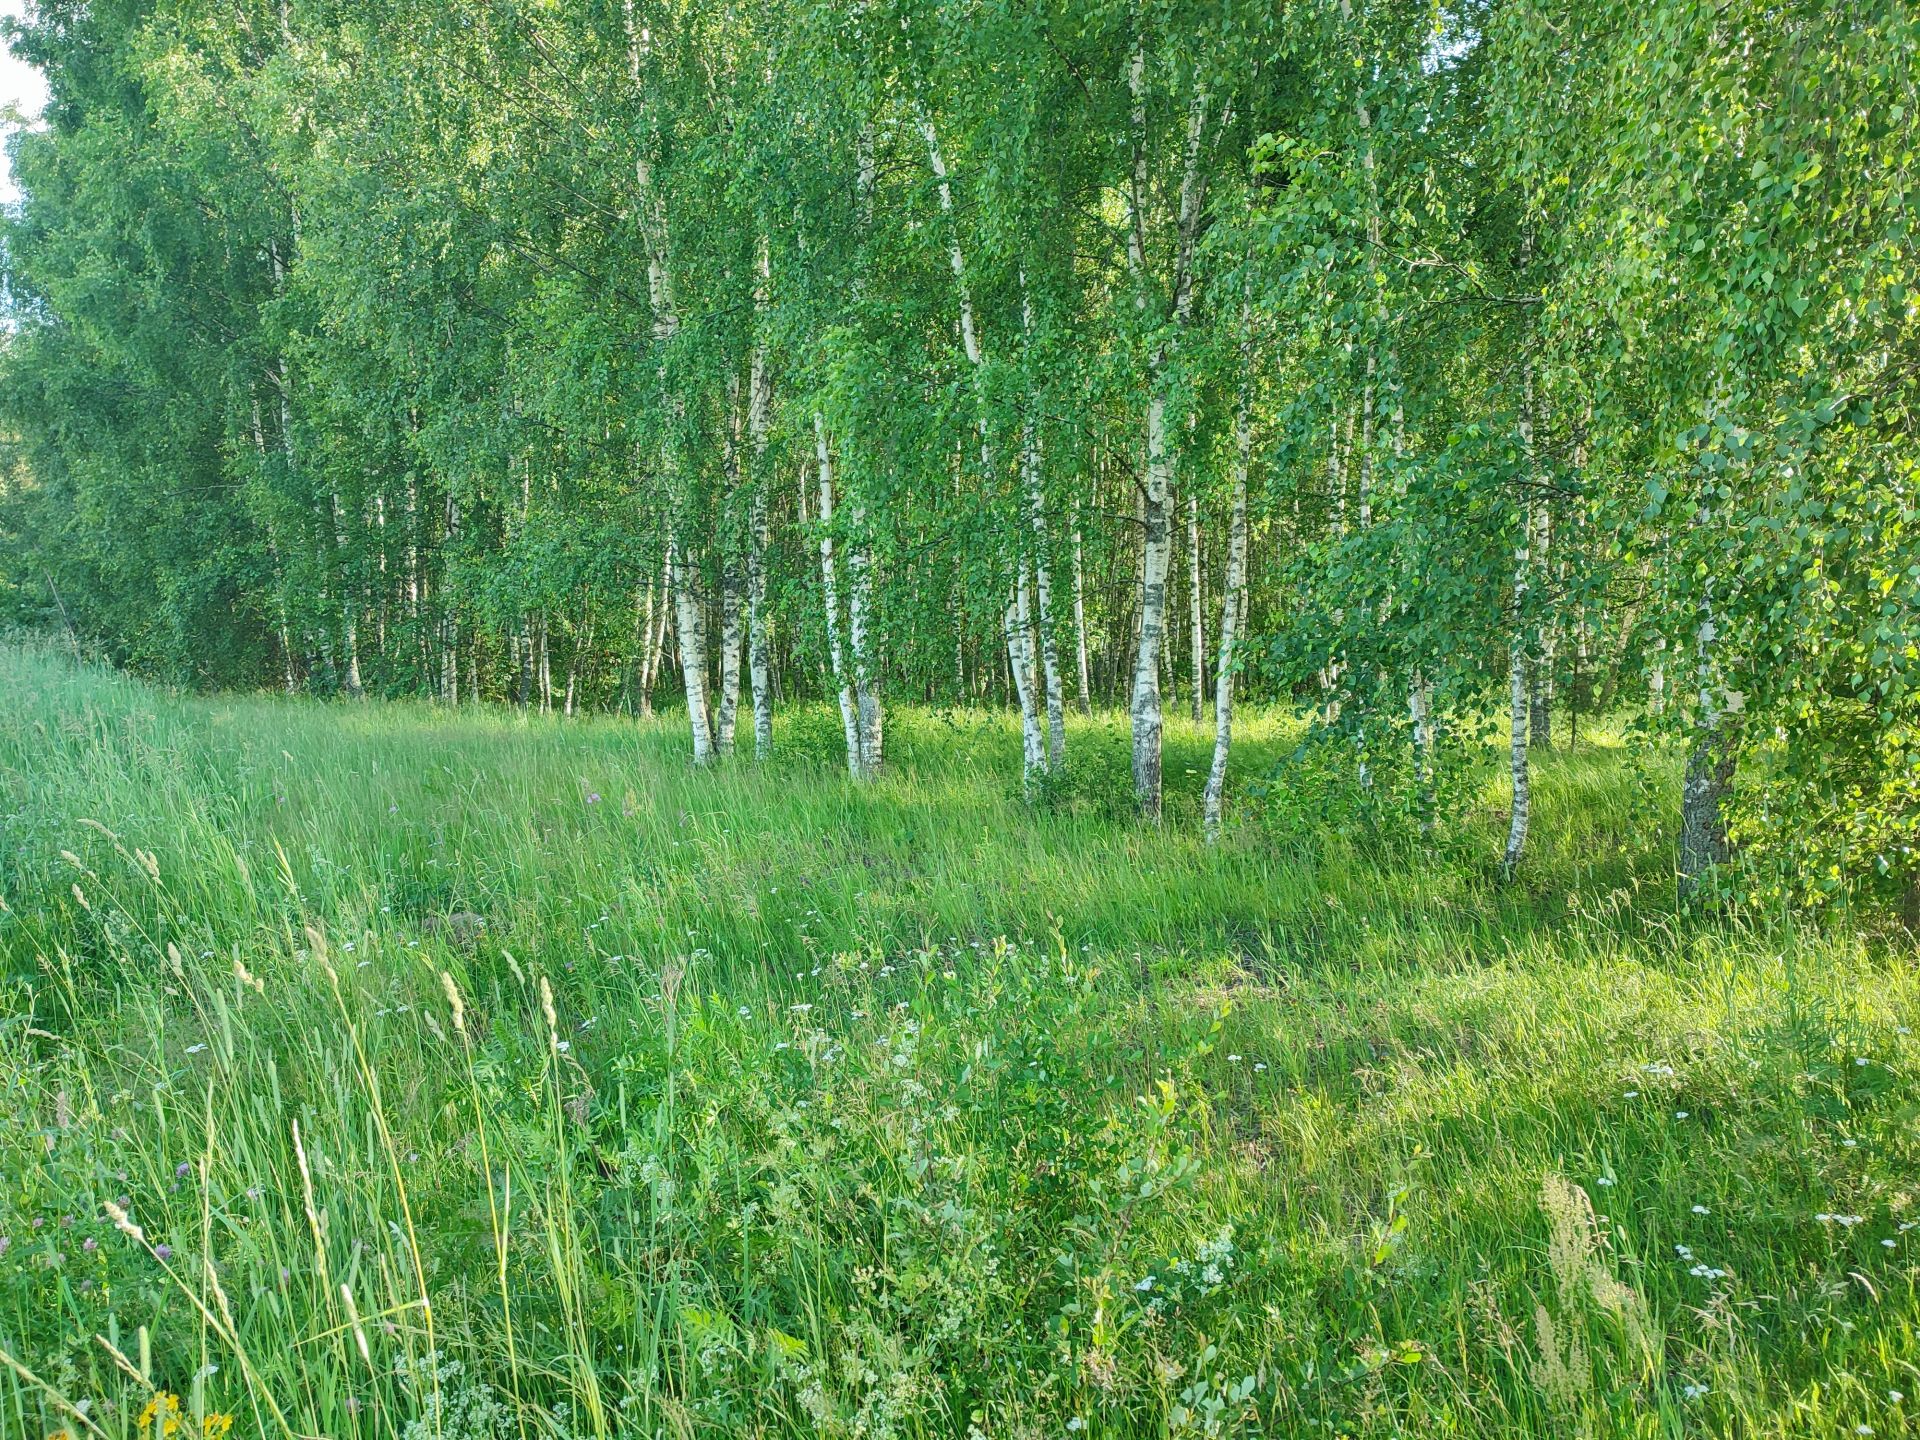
{"x": 767, "y": 1105}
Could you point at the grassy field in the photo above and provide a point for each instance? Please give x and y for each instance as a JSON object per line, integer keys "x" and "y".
{"x": 384, "y": 1071}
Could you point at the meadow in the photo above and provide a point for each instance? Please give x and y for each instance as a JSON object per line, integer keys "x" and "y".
{"x": 392, "y": 1070}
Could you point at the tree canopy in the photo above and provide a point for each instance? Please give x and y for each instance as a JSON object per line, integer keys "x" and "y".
{"x": 1533, "y": 359}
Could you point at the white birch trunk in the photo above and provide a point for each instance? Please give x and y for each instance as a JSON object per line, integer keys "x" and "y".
{"x": 690, "y": 631}
{"x": 866, "y": 676}
{"x": 759, "y": 405}
{"x": 1032, "y": 475}
{"x": 1156, "y": 497}
{"x": 1197, "y": 639}
{"x": 573, "y": 677}
{"x": 869, "y": 718}
{"x": 732, "y": 640}
{"x": 1020, "y": 663}
{"x": 1337, "y": 489}
{"x": 732, "y": 596}
{"x": 1520, "y": 812}
{"x": 830, "y": 590}
{"x": 642, "y": 635}
{"x": 1155, "y": 555}
{"x": 759, "y": 669}
{"x": 349, "y": 619}
{"x": 546, "y": 668}
{"x": 279, "y": 571}
{"x": 1031, "y": 481}
{"x": 1540, "y": 678}
{"x": 656, "y": 635}
{"x": 689, "y": 622}
{"x": 1232, "y": 602}
{"x": 1080, "y": 614}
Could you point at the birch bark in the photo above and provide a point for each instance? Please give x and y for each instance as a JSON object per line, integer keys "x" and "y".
{"x": 689, "y": 623}
{"x": 1520, "y": 811}
{"x": 1197, "y": 641}
{"x": 1233, "y": 597}
{"x": 830, "y": 591}
{"x": 690, "y": 630}
{"x": 866, "y": 678}
{"x": 869, "y": 733}
{"x": 1080, "y": 613}
{"x": 732, "y": 595}
{"x": 1156, "y": 494}
{"x": 1020, "y": 665}
{"x": 759, "y": 405}
{"x": 1033, "y": 477}
{"x": 1031, "y": 741}
{"x": 1540, "y": 680}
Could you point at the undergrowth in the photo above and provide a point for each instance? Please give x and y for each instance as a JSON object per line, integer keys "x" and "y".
{"x": 392, "y": 1071}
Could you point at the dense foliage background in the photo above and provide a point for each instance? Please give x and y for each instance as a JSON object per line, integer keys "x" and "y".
{"x": 1532, "y": 358}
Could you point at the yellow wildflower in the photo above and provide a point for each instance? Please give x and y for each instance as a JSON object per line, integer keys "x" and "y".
{"x": 164, "y": 1408}
{"x": 163, "y": 1415}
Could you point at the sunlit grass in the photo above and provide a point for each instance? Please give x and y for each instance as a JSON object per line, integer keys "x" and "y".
{"x": 773, "y": 1105}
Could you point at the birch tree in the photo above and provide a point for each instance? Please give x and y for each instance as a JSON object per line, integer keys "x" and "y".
{"x": 1165, "y": 329}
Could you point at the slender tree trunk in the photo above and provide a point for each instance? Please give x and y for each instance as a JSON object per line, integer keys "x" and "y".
{"x": 349, "y": 609}
{"x": 866, "y": 672}
{"x": 1232, "y": 599}
{"x": 958, "y": 601}
{"x": 976, "y": 359}
{"x": 1020, "y": 667}
{"x": 1704, "y": 843}
{"x": 758, "y": 669}
{"x": 573, "y": 679}
{"x": 732, "y": 633}
{"x": 1080, "y": 613}
{"x": 690, "y": 631}
{"x": 1520, "y": 813}
{"x": 417, "y": 630}
{"x": 830, "y": 592}
{"x": 642, "y": 633}
{"x": 653, "y": 638}
{"x": 759, "y": 406}
{"x": 1156, "y": 497}
{"x": 869, "y": 717}
{"x": 281, "y": 375}
{"x": 689, "y": 621}
{"x": 1337, "y": 489}
{"x": 1196, "y": 609}
{"x": 661, "y": 625}
{"x": 284, "y": 627}
{"x": 1032, "y": 475}
{"x": 1614, "y": 661}
{"x": 546, "y": 667}
{"x": 1540, "y": 691}
{"x": 1144, "y": 709}
{"x": 1419, "y": 691}
{"x": 286, "y": 631}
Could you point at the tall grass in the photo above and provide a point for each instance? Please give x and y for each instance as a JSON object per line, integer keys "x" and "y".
{"x": 391, "y": 1071}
